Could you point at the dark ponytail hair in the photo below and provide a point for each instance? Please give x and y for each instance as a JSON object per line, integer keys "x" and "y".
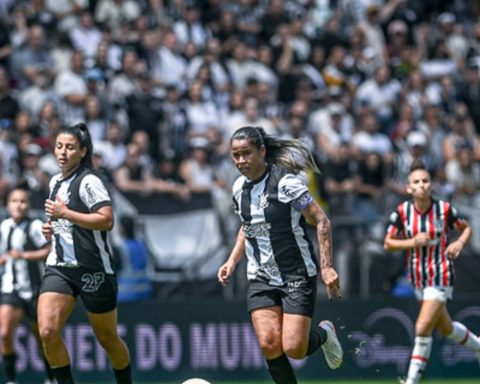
{"x": 291, "y": 154}
{"x": 80, "y": 131}
{"x": 418, "y": 164}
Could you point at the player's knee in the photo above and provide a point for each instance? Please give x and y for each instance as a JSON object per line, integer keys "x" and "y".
{"x": 423, "y": 328}
{"x": 107, "y": 339}
{"x": 6, "y": 335}
{"x": 48, "y": 334}
{"x": 270, "y": 346}
{"x": 295, "y": 351}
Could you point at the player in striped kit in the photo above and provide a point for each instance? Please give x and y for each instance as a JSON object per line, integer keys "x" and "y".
{"x": 273, "y": 203}
{"x": 80, "y": 263}
{"x": 23, "y": 251}
{"x": 420, "y": 226}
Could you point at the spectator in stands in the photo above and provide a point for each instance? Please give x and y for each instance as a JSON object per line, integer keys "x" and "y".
{"x": 202, "y": 115}
{"x": 74, "y": 263}
{"x": 369, "y": 138}
{"x": 66, "y": 12}
{"x": 96, "y": 118}
{"x": 86, "y": 37}
{"x": 189, "y": 28}
{"x": 463, "y": 172}
{"x": 380, "y": 94}
{"x": 370, "y": 188}
{"x": 113, "y": 147}
{"x": 331, "y": 126}
{"x": 462, "y": 131}
{"x": 33, "y": 176}
{"x": 200, "y": 175}
{"x": 270, "y": 181}
{"x": 9, "y": 106}
{"x": 112, "y": 13}
{"x": 35, "y": 56}
{"x": 339, "y": 172}
{"x": 144, "y": 112}
{"x": 419, "y": 226}
{"x": 133, "y": 176}
{"x": 71, "y": 87}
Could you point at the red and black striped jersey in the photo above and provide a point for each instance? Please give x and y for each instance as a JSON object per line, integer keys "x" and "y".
{"x": 429, "y": 265}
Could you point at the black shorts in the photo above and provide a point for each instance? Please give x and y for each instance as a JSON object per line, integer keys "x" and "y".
{"x": 97, "y": 289}
{"x": 295, "y": 297}
{"x": 29, "y": 306}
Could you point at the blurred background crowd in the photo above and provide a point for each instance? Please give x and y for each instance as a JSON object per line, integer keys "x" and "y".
{"x": 370, "y": 85}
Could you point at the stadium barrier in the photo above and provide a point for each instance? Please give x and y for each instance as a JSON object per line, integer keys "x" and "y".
{"x": 172, "y": 341}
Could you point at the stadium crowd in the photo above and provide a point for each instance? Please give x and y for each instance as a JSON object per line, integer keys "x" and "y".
{"x": 370, "y": 85}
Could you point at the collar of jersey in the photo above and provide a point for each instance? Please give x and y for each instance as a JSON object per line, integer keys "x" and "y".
{"x": 72, "y": 176}
{"x": 265, "y": 173}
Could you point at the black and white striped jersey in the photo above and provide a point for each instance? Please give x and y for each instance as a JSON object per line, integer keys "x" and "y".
{"x": 22, "y": 276}
{"x": 73, "y": 245}
{"x": 276, "y": 243}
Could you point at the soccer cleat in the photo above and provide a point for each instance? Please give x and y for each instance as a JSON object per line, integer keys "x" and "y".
{"x": 48, "y": 381}
{"x": 331, "y": 347}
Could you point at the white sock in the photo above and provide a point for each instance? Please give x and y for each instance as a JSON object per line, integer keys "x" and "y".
{"x": 462, "y": 335}
{"x": 418, "y": 361}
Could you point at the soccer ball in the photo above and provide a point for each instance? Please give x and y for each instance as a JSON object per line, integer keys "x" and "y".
{"x": 196, "y": 380}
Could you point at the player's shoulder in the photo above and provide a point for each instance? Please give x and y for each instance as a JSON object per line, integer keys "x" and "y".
{"x": 238, "y": 183}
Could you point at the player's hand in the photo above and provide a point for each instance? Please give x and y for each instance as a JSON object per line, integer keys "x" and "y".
{"x": 332, "y": 282}
{"x": 3, "y": 259}
{"x": 421, "y": 239}
{"x": 15, "y": 254}
{"x": 453, "y": 250}
{"x": 47, "y": 230}
{"x": 224, "y": 273}
{"x": 55, "y": 209}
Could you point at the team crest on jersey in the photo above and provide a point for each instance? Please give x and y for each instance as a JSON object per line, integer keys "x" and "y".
{"x": 263, "y": 201}
{"x": 439, "y": 223}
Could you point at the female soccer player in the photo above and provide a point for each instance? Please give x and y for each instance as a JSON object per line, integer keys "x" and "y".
{"x": 80, "y": 262}
{"x": 419, "y": 226}
{"x": 23, "y": 251}
{"x": 273, "y": 203}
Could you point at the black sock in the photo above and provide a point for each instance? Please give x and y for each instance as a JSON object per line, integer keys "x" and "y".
{"x": 123, "y": 376}
{"x": 316, "y": 338}
{"x": 281, "y": 370}
{"x": 63, "y": 375}
{"x": 9, "y": 365}
{"x": 48, "y": 370}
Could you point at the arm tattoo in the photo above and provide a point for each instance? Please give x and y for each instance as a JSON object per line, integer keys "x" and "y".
{"x": 324, "y": 234}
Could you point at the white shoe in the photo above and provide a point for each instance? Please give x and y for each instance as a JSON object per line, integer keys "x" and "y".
{"x": 48, "y": 381}
{"x": 331, "y": 348}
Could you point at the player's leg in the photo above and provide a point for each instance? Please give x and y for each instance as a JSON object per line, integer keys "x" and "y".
{"x": 48, "y": 370}
{"x": 10, "y": 317}
{"x": 105, "y": 329}
{"x": 426, "y": 321}
{"x": 457, "y": 332}
{"x": 267, "y": 323}
{"x": 299, "y": 337}
{"x": 53, "y": 311}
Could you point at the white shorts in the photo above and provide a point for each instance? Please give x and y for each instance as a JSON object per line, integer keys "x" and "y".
{"x": 441, "y": 294}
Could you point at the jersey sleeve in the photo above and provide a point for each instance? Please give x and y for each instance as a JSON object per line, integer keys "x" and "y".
{"x": 36, "y": 234}
{"x": 292, "y": 189}
{"x": 455, "y": 219}
{"x": 395, "y": 223}
{"x": 94, "y": 193}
